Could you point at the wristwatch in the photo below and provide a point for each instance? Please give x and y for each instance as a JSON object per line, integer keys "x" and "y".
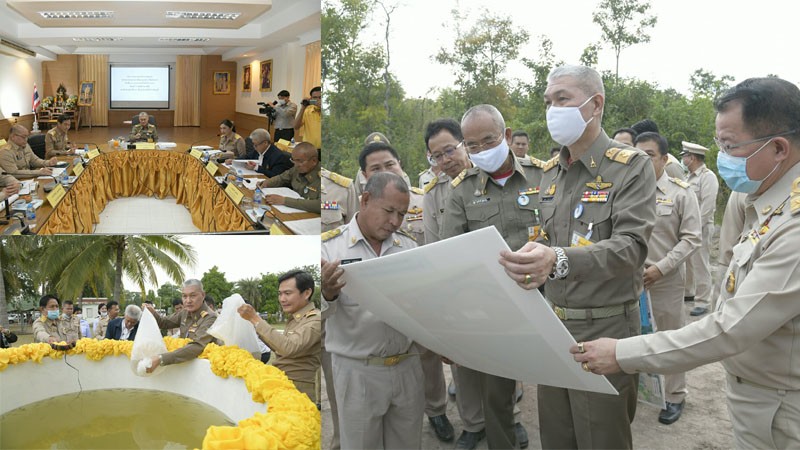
{"x": 561, "y": 267}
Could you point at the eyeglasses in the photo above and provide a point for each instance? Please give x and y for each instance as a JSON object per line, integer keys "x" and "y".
{"x": 473, "y": 147}
{"x": 299, "y": 161}
{"x": 449, "y": 152}
{"x": 726, "y": 148}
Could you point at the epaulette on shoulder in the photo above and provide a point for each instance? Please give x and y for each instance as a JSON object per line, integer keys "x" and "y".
{"x": 431, "y": 184}
{"x": 330, "y": 234}
{"x": 552, "y": 162}
{"x": 679, "y": 182}
{"x": 464, "y": 174}
{"x": 236, "y": 136}
{"x": 619, "y": 155}
{"x": 536, "y": 162}
{"x": 341, "y": 180}
{"x": 311, "y": 313}
{"x": 203, "y": 313}
{"x": 416, "y": 190}
{"x": 406, "y": 234}
{"x": 794, "y": 202}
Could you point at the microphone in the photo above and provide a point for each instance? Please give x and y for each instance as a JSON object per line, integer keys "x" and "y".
{"x": 201, "y": 141}
{"x": 49, "y": 187}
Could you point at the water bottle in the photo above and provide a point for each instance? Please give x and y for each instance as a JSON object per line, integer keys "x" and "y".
{"x": 258, "y": 199}
{"x": 30, "y": 212}
{"x": 239, "y": 178}
{"x": 292, "y": 142}
{"x": 64, "y": 179}
{"x": 76, "y": 161}
{"x": 86, "y": 148}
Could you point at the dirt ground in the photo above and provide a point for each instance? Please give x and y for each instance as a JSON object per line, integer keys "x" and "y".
{"x": 704, "y": 424}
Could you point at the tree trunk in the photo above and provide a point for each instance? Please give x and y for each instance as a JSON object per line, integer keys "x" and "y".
{"x": 3, "y": 305}
{"x": 118, "y": 270}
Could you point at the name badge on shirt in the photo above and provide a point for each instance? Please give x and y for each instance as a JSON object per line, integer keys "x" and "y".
{"x": 350, "y": 261}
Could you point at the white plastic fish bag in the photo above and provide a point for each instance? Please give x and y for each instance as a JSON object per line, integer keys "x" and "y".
{"x": 147, "y": 344}
{"x": 232, "y": 329}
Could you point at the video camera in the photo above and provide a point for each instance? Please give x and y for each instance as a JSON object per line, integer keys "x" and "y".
{"x": 268, "y": 110}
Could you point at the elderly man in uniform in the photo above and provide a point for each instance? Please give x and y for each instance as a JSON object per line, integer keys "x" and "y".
{"x": 675, "y": 237}
{"x": 520, "y": 144}
{"x": 143, "y": 131}
{"x": 310, "y": 119}
{"x": 297, "y": 347}
{"x": 56, "y": 141}
{"x": 598, "y": 205}
{"x": 379, "y": 157}
{"x": 194, "y": 320}
{"x": 499, "y": 191}
{"x": 705, "y": 186}
{"x": 756, "y": 327}
{"x": 303, "y": 178}
{"x": 377, "y": 372}
{"x": 17, "y": 158}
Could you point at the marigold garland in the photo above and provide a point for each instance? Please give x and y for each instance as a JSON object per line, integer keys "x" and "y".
{"x": 292, "y": 420}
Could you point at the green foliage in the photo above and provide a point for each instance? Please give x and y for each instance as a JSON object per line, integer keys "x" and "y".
{"x": 250, "y": 290}
{"x": 624, "y": 23}
{"x": 215, "y": 284}
{"x": 166, "y": 293}
{"x": 705, "y": 84}
{"x": 269, "y": 291}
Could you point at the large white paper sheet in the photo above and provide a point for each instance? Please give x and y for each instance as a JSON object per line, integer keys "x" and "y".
{"x": 454, "y": 298}
{"x": 241, "y": 164}
{"x": 305, "y": 226}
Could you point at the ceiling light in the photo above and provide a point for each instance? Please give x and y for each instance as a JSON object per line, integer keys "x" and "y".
{"x": 202, "y": 15}
{"x": 187, "y": 39}
{"x": 96, "y": 39}
{"x": 77, "y": 14}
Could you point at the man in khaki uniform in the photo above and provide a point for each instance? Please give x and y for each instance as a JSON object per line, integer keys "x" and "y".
{"x": 194, "y": 320}
{"x": 303, "y": 178}
{"x": 9, "y": 185}
{"x": 360, "y": 179}
{"x": 705, "y": 186}
{"x": 56, "y": 142}
{"x": 143, "y": 131}
{"x": 339, "y": 200}
{"x": 598, "y": 206}
{"x": 49, "y": 328}
{"x": 755, "y": 330}
{"x": 520, "y": 144}
{"x": 17, "y": 158}
{"x": 675, "y": 236}
{"x": 71, "y": 322}
{"x": 499, "y": 191}
{"x": 297, "y": 348}
{"x": 376, "y": 369}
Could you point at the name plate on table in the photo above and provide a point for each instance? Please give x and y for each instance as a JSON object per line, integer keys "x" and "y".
{"x": 56, "y": 195}
{"x": 145, "y": 146}
{"x": 93, "y": 153}
{"x": 235, "y": 194}
{"x": 212, "y": 168}
{"x": 77, "y": 169}
{"x": 196, "y": 153}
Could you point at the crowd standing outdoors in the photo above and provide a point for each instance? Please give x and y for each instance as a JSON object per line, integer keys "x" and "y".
{"x": 604, "y": 220}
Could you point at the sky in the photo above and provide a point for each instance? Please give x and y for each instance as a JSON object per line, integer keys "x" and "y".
{"x": 734, "y": 37}
{"x": 245, "y": 256}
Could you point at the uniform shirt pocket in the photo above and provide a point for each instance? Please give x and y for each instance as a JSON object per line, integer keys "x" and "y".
{"x": 599, "y": 216}
{"x": 330, "y": 216}
{"x": 664, "y": 209}
{"x": 481, "y": 214}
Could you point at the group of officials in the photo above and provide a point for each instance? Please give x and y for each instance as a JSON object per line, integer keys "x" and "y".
{"x": 595, "y": 226}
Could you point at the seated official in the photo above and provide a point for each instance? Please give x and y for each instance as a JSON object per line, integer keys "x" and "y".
{"x": 231, "y": 144}
{"x": 17, "y": 158}
{"x": 194, "y": 320}
{"x": 49, "y": 328}
{"x": 124, "y": 329}
{"x": 271, "y": 160}
{"x": 7, "y": 337}
{"x": 298, "y": 347}
{"x": 8, "y": 185}
{"x": 143, "y": 131}
{"x": 303, "y": 178}
{"x": 56, "y": 141}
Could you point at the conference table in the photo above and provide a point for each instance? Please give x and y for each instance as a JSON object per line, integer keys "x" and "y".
{"x": 115, "y": 173}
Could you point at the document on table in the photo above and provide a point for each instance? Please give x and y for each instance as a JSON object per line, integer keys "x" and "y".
{"x": 462, "y": 305}
{"x": 242, "y": 164}
{"x": 286, "y": 192}
{"x": 304, "y": 226}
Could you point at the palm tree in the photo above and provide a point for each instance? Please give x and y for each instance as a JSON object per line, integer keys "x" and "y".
{"x": 250, "y": 290}
{"x": 15, "y": 274}
{"x": 101, "y": 261}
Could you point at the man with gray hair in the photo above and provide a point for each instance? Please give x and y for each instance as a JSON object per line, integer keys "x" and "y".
{"x": 377, "y": 373}
{"x": 143, "y": 131}
{"x": 194, "y": 320}
{"x": 272, "y": 161}
{"x": 124, "y": 329}
{"x": 598, "y": 211}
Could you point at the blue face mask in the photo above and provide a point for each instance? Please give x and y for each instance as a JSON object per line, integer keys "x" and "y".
{"x": 52, "y": 314}
{"x": 733, "y": 170}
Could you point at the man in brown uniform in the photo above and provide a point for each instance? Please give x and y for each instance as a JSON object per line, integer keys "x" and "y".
{"x": 56, "y": 142}
{"x": 499, "y": 191}
{"x": 675, "y": 236}
{"x": 297, "y": 348}
{"x": 598, "y": 206}
{"x": 194, "y": 320}
{"x": 143, "y": 131}
{"x": 756, "y": 327}
{"x": 17, "y": 158}
{"x": 303, "y": 178}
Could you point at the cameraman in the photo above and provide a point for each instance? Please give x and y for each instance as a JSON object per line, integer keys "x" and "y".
{"x": 310, "y": 119}
{"x": 285, "y": 111}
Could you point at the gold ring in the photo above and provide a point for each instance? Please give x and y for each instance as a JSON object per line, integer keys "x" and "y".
{"x": 585, "y": 367}
{"x": 528, "y": 278}
{"x": 580, "y": 348}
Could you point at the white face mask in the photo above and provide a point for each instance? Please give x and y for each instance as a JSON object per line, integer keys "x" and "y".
{"x": 103, "y": 314}
{"x": 566, "y": 124}
{"x": 281, "y": 102}
{"x": 491, "y": 159}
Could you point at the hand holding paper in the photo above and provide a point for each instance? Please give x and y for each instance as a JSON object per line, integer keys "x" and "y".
{"x": 332, "y": 282}
{"x": 530, "y": 265}
{"x": 600, "y": 356}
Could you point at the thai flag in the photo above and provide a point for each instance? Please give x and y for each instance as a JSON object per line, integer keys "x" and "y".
{"x": 36, "y": 101}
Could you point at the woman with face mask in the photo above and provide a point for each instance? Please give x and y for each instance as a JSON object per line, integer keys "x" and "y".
{"x": 101, "y": 323}
{"x": 49, "y": 328}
